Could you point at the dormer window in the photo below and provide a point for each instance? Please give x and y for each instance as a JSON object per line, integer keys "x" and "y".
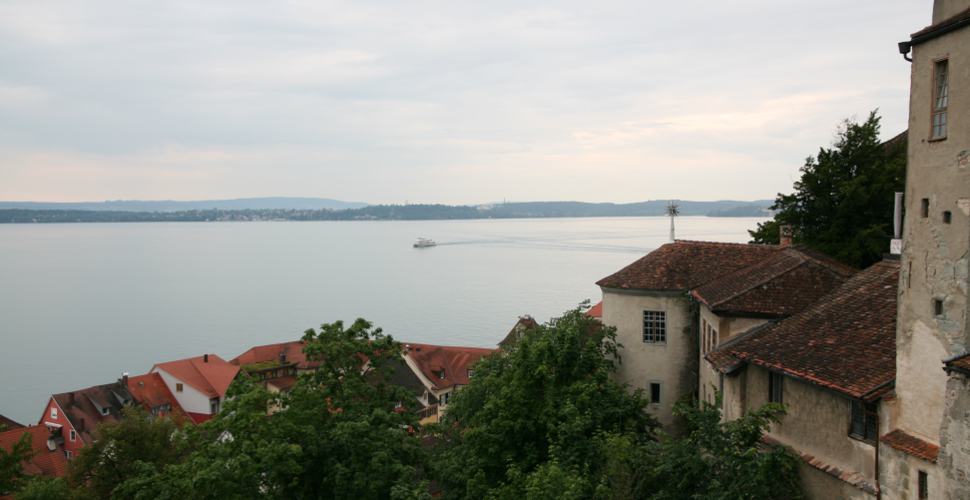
{"x": 441, "y": 374}
{"x": 105, "y": 411}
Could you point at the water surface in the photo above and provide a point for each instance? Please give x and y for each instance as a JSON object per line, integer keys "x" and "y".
{"x": 82, "y": 303}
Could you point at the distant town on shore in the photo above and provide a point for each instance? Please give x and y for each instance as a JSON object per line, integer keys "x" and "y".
{"x": 320, "y": 209}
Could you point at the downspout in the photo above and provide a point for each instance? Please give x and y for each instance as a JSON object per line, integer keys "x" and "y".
{"x": 878, "y": 487}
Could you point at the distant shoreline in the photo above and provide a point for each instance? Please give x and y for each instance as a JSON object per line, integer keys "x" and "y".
{"x": 20, "y": 216}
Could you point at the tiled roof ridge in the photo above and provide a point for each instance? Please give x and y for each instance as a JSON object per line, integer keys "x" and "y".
{"x": 801, "y": 262}
{"x": 724, "y": 244}
{"x": 452, "y": 347}
{"x": 853, "y": 478}
{"x": 911, "y": 445}
{"x": 836, "y": 298}
{"x": 829, "y": 263}
{"x": 954, "y": 19}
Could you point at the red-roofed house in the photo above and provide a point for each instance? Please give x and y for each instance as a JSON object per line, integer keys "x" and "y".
{"x": 596, "y": 311}
{"x": 7, "y": 423}
{"x": 48, "y": 457}
{"x": 650, "y": 305}
{"x": 276, "y": 365}
{"x": 523, "y": 325}
{"x": 199, "y": 384}
{"x": 781, "y": 285}
{"x": 442, "y": 370}
{"x": 73, "y": 416}
{"x": 150, "y": 391}
{"x": 832, "y": 365}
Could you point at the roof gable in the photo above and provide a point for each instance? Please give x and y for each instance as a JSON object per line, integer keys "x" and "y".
{"x": 452, "y": 362}
{"x": 684, "y": 264}
{"x": 781, "y": 285}
{"x": 845, "y": 342}
{"x": 292, "y": 351}
{"x": 88, "y": 407}
{"x": 150, "y": 391}
{"x": 209, "y": 374}
{"x": 44, "y": 460}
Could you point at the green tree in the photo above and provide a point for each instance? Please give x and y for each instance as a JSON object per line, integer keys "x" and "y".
{"x": 340, "y": 433}
{"x": 124, "y": 448}
{"x": 11, "y": 464}
{"x": 532, "y": 421}
{"x": 843, "y": 203}
{"x": 715, "y": 460}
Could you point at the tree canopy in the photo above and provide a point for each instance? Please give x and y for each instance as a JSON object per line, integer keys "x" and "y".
{"x": 536, "y": 419}
{"x": 842, "y": 204}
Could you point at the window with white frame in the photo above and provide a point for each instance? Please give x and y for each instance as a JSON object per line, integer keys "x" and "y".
{"x": 654, "y": 327}
{"x": 53, "y": 413}
{"x": 73, "y": 435}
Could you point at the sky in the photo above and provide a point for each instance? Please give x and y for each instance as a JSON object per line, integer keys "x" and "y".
{"x": 437, "y": 101}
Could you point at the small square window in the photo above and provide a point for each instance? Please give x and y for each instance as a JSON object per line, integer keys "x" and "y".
{"x": 178, "y": 387}
{"x": 938, "y": 307}
{"x": 924, "y": 208}
{"x": 73, "y": 435}
{"x": 924, "y": 487}
{"x": 68, "y": 454}
{"x": 655, "y": 392}
{"x": 947, "y": 217}
{"x": 53, "y": 413}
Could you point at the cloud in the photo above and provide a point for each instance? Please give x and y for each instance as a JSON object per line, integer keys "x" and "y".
{"x": 450, "y": 102}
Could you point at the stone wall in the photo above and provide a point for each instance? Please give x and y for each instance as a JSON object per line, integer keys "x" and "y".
{"x": 673, "y": 364}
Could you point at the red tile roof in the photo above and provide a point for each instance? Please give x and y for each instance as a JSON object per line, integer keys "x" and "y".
{"x": 912, "y": 445}
{"x": 151, "y": 392}
{"x": 199, "y": 418}
{"x": 958, "y": 364}
{"x": 845, "y": 342}
{"x": 524, "y": 324}
{"x": 928, "y": 32}
{"x": 271, "y": 352}
{"x": 683, "y": 265}
{"x": 8, "y": 423}
{"x": 88, "y": 407}
{"x": 780, "y": 285}
{"x": 454, "y": 361}
{"x": 44, "y": 461}
{"x": 209, "y": 374}
{"x": 596, "y": 311}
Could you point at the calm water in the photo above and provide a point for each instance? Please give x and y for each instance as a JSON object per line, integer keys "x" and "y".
{"x": 82, "y": 303}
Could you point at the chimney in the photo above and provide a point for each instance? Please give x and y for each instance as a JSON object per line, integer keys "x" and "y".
{"x": 205, "y": 358}
{"x": 124, "y": 379}
{"x": 784, "y": 235}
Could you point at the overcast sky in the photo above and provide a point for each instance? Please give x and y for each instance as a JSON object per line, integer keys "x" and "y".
{"x": 450, "y": 101}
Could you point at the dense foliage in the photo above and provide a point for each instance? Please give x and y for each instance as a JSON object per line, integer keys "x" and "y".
{"x": 843, "y": 203}
{"x": 11, "y": 471}
{"x": 537, "y": 418}
{"x": 545, "y": 419}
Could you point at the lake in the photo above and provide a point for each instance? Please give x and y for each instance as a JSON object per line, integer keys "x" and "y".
{"x": 82, "y": 303}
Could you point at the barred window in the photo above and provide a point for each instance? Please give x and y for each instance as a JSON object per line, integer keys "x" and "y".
{"x": 654, "y": 326}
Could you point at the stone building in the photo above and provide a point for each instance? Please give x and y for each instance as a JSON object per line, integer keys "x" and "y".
{"x": 926, "y": 454}
{"x": 676, "y": 304}
{"x": 832, "y": 365}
